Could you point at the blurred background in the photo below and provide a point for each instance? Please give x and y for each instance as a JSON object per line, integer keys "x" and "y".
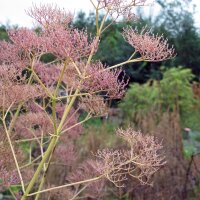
{"x": 162, "y": 99}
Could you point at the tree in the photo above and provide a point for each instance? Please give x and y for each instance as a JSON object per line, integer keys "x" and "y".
{"x": 177, "y": 23}
{"x": 3, "y": 33}
{"x": 172, "y": 93}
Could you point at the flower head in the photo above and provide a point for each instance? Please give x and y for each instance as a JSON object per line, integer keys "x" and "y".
{"x": 103, "y": 80}
{"x": 94, "y": 104}
{"x": 49, "y": 16}
{"x": 28, "y": 41}
{"x": 123, "y": 8}
{"x": 71, "y": 44}
{"x": 151, "y": 47}
{"x": 11, "y": 54}
{"x": 140, "y": 161}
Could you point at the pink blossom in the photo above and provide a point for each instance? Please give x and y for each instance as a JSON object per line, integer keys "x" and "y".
{"x": 13, "y": 88}
{"x": 31, "y": 124}
{"x": 151, "y": 47}
{"x": 140, "y": 161}
{"x": 70, "y": 43}
{"x": 16, "y": 94}
{"x": 49, "y": 16}
{"x": 28, "y": 41}
{"x": 48, "y": 74}
{"x": 11, "y": 54}
{"x": 65, "y": 153}
{"x": 107, "y": 81}
{"x": 94, "y": 104}
{"x": 8, "y": 173}
{"x": 123, "y": 8}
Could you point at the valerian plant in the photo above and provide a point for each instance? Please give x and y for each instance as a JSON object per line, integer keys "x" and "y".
{"x": 40, "y": 103}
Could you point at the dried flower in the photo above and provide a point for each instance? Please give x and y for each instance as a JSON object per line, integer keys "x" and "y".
{"x": 8, "y": 173}
{"x": 65, "y": 153}
{"x": 123, "y": 8}
{"x": 28, "y": 41}
{"x": 95, "y": 105}
{"x": 105, "y": 81}
{"x": 8, "y": 177}
{"x": 151, "y": 47}
{"x": 87, "y": 170}
{"x": 49, "y": 16}
{"x": 140, "y": 161}
{"x": 30, "y": 125}
{"x": 11, "y": 54}
{"x": 15, "y": 94}
{"x": 70, "y": 44}
{"x": 61, "y": 194}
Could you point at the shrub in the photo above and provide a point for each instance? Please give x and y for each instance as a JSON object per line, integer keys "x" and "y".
{"x": 173, "y": 93}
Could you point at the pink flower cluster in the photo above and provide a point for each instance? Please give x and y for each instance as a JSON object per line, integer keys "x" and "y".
{"x": 140, "y": 161}
{"x": 69, "y": 43}
{"x": 123, "y": 8}
{"x": 14, "y": 88}
{"x": 107, "y": 81}
{"x": 28, "y": 41}
{"x": 49, "y": 16}
{"x": 151, "y": 47}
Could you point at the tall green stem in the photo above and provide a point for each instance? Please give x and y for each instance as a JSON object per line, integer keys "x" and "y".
{"x": 40, "y": 167}
{"x": 50, "y": 148}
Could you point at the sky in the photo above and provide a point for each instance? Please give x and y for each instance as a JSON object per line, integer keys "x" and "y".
{"x": 13, "y": 11}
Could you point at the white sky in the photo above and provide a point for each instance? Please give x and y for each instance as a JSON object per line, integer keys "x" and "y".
{"x": 13, "y": 11}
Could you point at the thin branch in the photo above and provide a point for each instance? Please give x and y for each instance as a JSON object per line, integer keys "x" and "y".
{"x": 83, "y": 188}
{"x": 60, "y": 78}
{"x": 11, "y": 192}
{"x": 67, "y": 96}
{"x": 8, "y": 110}
{"x": 132, "y": 55}
{"x": 30, "y": 139}
{"x": 79, "y": 123}
{"x": 14, "y": 155}
{"x": 30, "y": 163}
{"x": 66, "y": 111}
{"x": 76, "y": 67}
{"x": 56, "y": 60}
{"x": 123, "y": 63}
{"x": 67, "y": 185}
{"x": 93, "y": 4}
{"x": 41, "y": 83}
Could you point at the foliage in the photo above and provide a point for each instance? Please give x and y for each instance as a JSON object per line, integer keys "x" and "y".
{"x": 176, "y": 90}
{"x": 172, "y": 93}
{"x": 3, "y": 33}
{"x": 177, "y": 23}
{"x": 139, "y": 98}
